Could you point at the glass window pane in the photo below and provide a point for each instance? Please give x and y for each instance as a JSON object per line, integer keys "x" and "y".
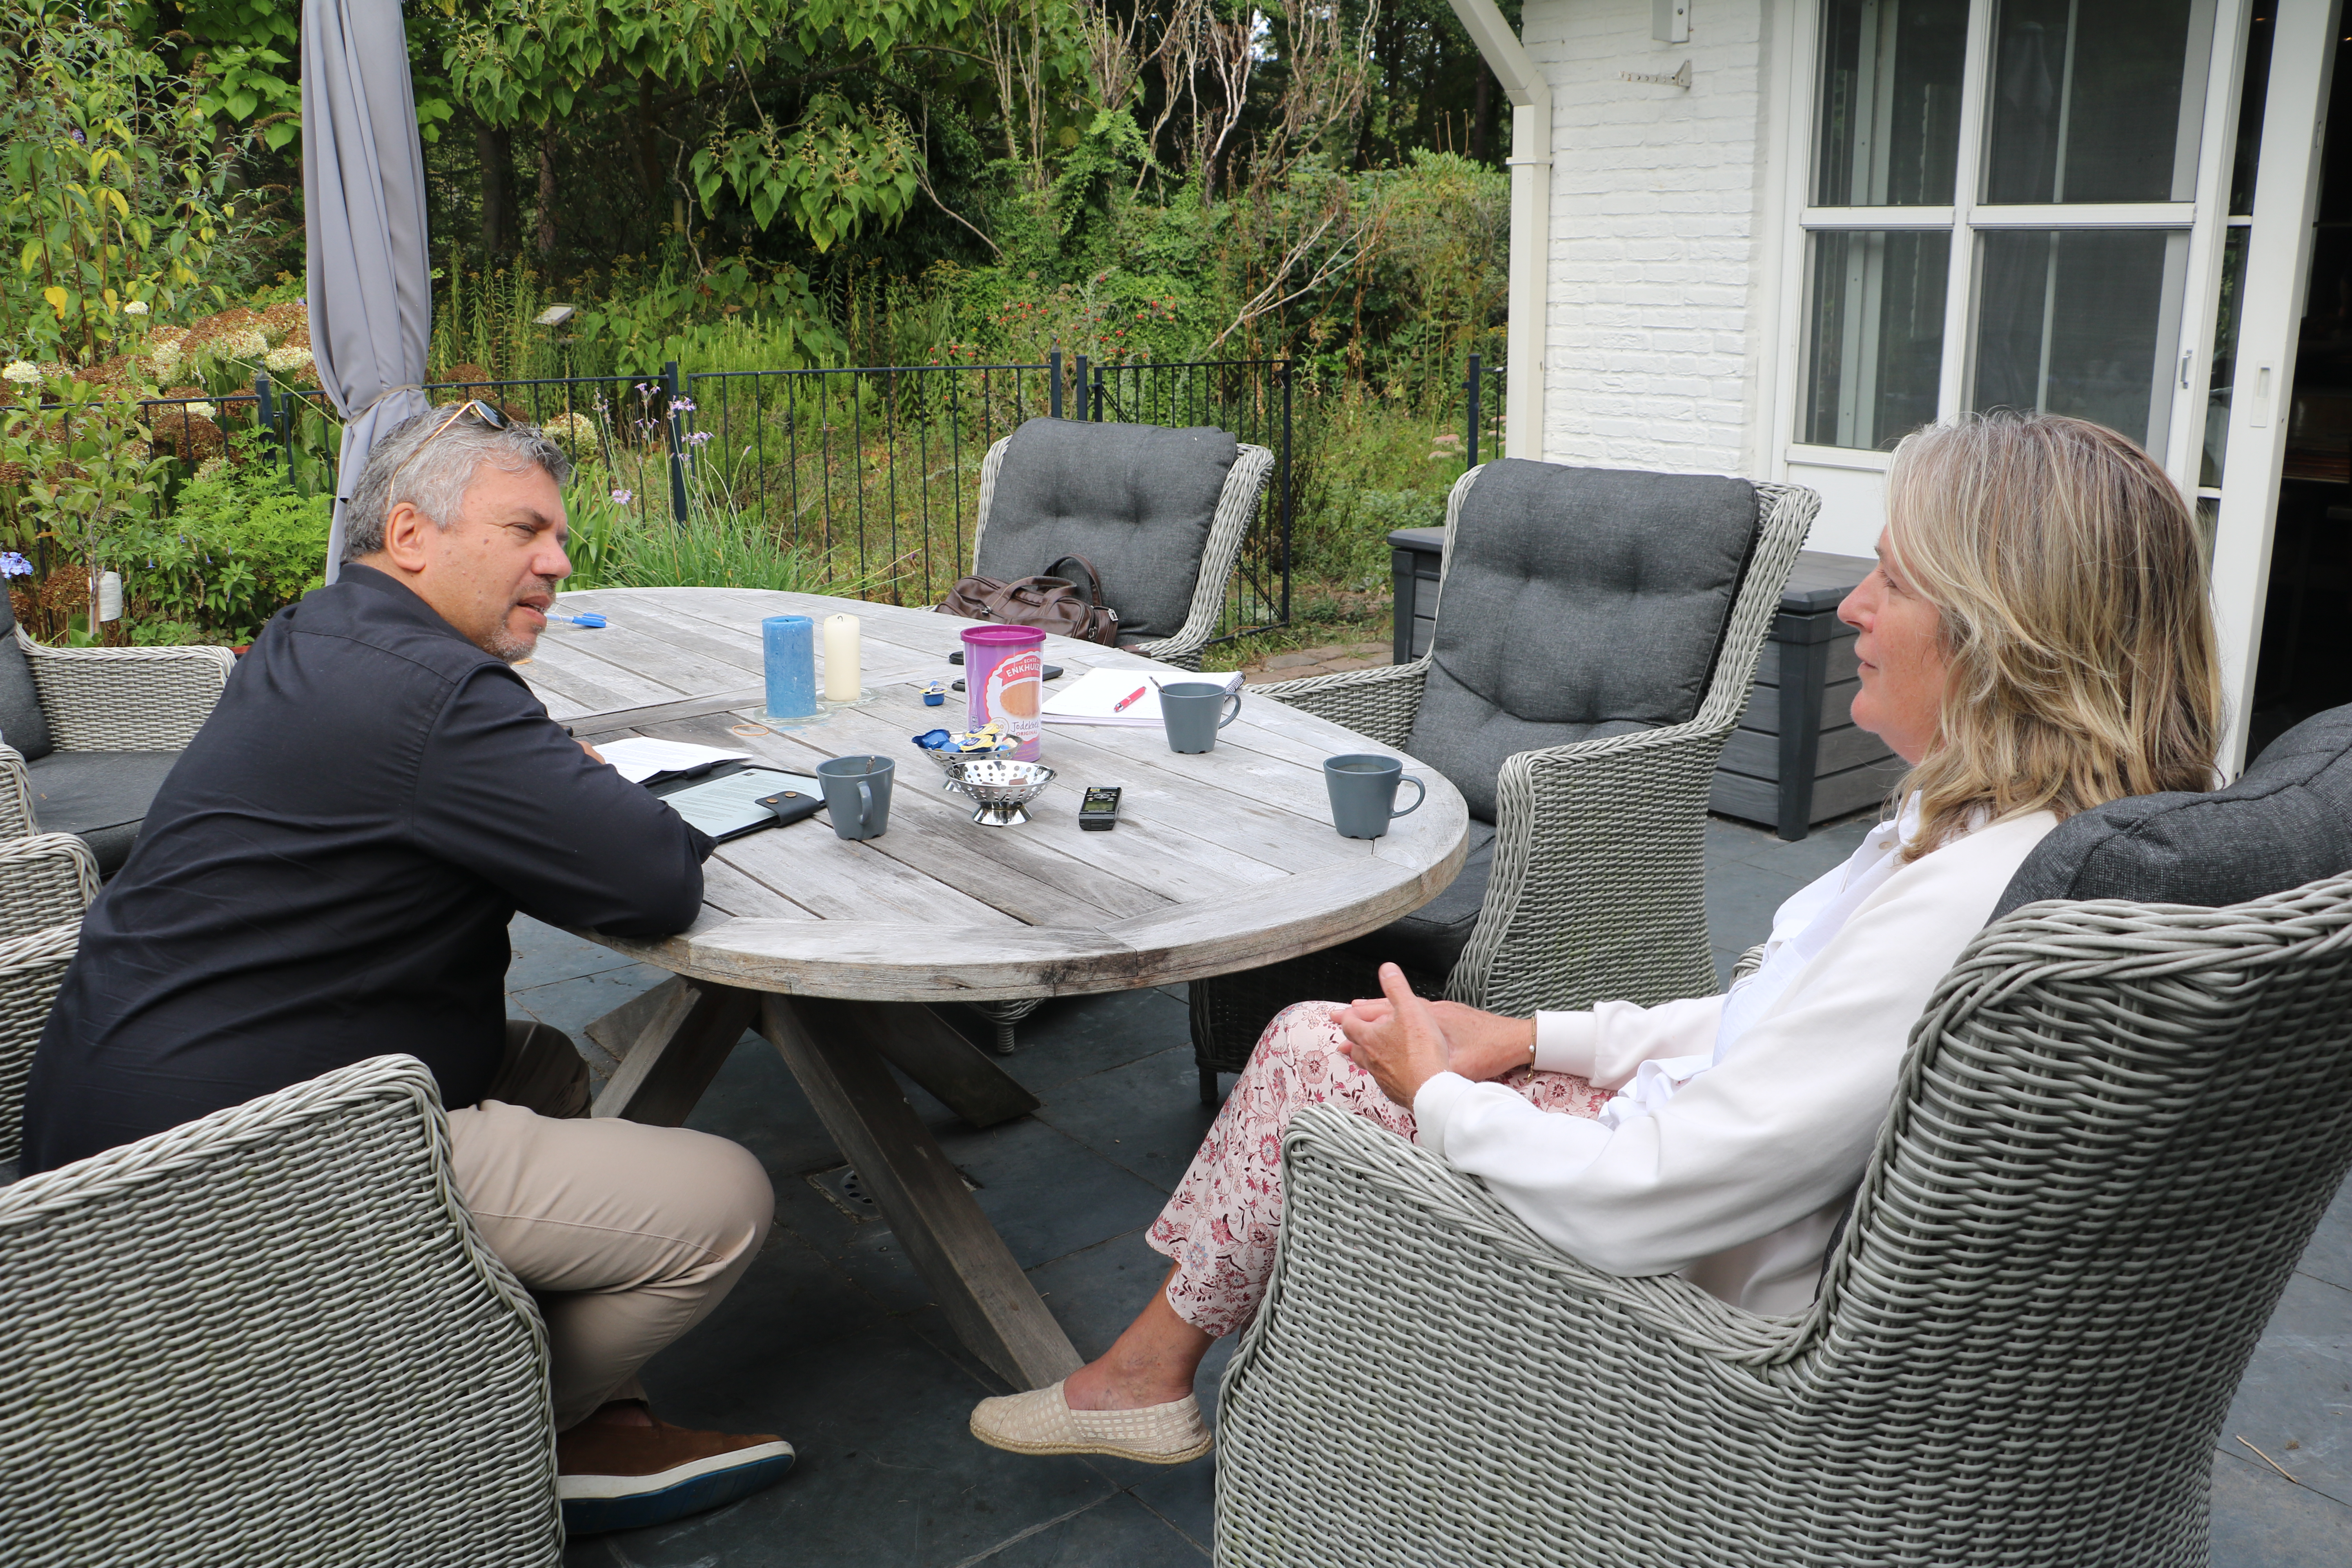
{"x": 1875, "y": 333}
{"x": 2092, "y": 101}
{"x": 2225, "y": 358}
{"x": 2253, "y": 93}
{"x": 2081, "y": 321}
{"x": 1890, "y": 108}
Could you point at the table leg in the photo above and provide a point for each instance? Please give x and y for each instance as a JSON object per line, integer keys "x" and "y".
{"x": 837, "y": 1052}
{"x": 929, "y": 1049}
{"x": 672, "y": 1041}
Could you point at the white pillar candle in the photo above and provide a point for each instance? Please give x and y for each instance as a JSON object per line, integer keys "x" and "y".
{"x": 841, "y": 672}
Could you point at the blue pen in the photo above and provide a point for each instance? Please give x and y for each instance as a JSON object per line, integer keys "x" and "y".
{"x": 592, "y": 620}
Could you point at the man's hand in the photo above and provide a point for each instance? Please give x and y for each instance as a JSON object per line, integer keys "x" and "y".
{"x": 593, "y": 754}
{"x": 1403, "y": 1049}
{"x": 1484, "y": 1046}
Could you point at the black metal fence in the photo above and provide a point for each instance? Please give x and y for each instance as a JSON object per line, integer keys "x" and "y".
{"x": 872, "y": 472}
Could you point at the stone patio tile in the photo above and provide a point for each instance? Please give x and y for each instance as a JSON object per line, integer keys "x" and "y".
{"x": 889, "y": 1472}
{"x": 755, "y": 1101}
{"x": 2295, "y": 1400}
{"x": 1093, "y": 1294}
{"x": 545, "y": 953}
{"x": 573, "y": 1004}
{"x": 1740, "y": 900}
{"x": 2262, "y": 1521}
{"x": 1824, "y": 847}
{"x": 1046, "y": 1194}
{"x": 1118, "y": 1530}
{"x": 1071, "y": 1037}
{"x": 2329, "y": 1255}
{"x": 1144, "y": 1116}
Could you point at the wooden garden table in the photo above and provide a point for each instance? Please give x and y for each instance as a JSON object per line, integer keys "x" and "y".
{"x": 831, "y": 949}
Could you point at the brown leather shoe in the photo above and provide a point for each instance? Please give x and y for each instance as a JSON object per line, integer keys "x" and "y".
{"x": 611, "y": 1477}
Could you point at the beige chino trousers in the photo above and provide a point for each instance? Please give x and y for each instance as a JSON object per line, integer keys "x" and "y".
{"x": 626, "y": 1235}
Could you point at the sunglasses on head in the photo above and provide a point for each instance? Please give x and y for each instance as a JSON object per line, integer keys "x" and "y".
{"x": 473, "y": 406}
{"x": 478, "y": 409}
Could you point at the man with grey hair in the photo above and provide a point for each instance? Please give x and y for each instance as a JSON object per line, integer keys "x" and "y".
{"x": 327, "y": 876}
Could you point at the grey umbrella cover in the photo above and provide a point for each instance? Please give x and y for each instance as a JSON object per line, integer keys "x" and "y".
{"x": 370, "y": 279}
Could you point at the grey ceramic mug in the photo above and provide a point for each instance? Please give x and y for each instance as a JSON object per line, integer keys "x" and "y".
{"x": 1192, "y": 710}
{"x": 856, "y": 795}
{"x": 1364, "y": 793}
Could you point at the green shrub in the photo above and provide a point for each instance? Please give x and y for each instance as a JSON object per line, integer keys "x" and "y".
{"x": 237, "y": 547}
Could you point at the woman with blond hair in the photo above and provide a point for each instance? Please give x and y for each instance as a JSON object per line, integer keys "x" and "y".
{"x": 2034, "y": 641}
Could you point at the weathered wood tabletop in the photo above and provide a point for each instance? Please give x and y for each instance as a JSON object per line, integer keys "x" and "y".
{"x": 1221, "y": 861}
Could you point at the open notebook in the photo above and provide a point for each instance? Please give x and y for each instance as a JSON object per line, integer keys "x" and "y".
{"x": 1095, "y": 697}
{"x": 729, "y": 805}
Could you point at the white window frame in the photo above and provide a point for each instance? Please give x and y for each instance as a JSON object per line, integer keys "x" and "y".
{"x": 2194, "y": 285}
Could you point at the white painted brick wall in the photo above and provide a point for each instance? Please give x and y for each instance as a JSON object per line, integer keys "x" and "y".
{"x": 1658, "y": 280}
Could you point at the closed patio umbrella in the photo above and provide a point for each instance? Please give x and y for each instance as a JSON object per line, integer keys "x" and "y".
{"x": 370, "y": 288}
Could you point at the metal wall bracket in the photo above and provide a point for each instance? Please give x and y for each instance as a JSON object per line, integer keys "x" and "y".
{"x": 1681, "y": 79}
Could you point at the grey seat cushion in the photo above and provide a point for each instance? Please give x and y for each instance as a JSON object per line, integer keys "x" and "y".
{"x": 1578, "y": 604}
{"x": 2285, "y": 822}
{"x": 1135, "y": 499}
{"x": 1430, "y": 940}
{"x": 100, "y": 796}
{"x": 22, "y": 723}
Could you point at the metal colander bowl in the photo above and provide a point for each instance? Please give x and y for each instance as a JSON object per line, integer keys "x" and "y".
{"x": 951, "y": 759}
{"x": 1002, "y": 788}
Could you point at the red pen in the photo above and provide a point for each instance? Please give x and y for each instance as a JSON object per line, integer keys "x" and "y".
{"x": 1130, "y": 698}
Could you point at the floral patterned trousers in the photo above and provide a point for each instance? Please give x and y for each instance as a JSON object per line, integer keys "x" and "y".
{"x": 1219, "y": 1228}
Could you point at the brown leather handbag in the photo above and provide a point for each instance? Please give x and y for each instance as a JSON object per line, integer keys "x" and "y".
{"x": 1050, "y": 601}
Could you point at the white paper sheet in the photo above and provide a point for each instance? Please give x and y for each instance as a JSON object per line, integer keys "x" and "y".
{"x": 1094, "y": 696}
{"x": 639, "y": 758}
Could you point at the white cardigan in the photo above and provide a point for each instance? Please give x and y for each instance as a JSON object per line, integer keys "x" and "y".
{"x": 1736, "y": 1182}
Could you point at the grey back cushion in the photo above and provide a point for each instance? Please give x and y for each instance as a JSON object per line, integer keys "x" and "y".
{"x": 2285, "y": 822}
{"x": 1579, "y": 603}
{"x": 1135, "y": 499}
{"x": 22, "y": 723}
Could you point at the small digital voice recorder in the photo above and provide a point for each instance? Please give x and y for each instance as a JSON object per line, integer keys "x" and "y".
{"x": 1099, "y": 811}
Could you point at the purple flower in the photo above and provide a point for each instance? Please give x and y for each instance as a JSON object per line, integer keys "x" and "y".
{"x": 698, "y": 437}
{"x": 623, "y": 497}
{"x": 13, "y": 565}
{"x": 681, "y": 406}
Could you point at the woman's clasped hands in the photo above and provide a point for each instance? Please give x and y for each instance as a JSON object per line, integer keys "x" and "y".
{"x": 1404, "y": 1040}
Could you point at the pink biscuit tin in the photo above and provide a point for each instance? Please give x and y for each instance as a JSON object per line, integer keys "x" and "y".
{"x": 1004, "y": 682}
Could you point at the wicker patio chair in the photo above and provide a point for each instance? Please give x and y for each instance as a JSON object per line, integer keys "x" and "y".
{"x": 31, "y": 968}
{"x": 1161, "y": 512}
{"x": 271, "y": 1335}
{"x": 1584, "y": 881}
{"x": 88, "y": 744}
{"x": 46, "y": 881}
{"x": 2116, "y": 1128}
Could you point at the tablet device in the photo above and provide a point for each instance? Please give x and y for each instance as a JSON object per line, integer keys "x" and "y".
{"x": 730, "y": 804}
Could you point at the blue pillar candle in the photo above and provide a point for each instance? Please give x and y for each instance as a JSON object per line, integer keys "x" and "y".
{"x": 789, "y": 644}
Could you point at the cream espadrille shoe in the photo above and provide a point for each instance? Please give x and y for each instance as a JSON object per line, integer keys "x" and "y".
{"x": 1042, "y": 1422}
